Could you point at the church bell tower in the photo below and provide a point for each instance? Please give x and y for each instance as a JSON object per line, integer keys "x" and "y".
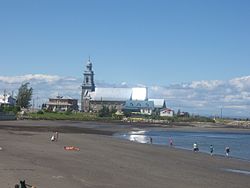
{"x": 87, "y": 86}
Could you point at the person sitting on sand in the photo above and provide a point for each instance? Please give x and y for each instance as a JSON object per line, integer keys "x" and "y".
{"x": 53, "y": 138}
{"x": 23, "y": 185}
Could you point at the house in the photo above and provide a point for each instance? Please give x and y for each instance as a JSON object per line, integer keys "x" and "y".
{"x": 166, "y": 112}
{"x": 139, "y": 106}
{"x": 7, "y": 100}
{"x": 62, "y": 104}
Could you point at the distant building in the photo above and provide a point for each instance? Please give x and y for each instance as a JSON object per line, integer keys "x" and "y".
{"x": 166, "y": 112}
{"x": 93, "y": 99}
{"x": 62, "y": 104}
{"x": 113, "y": 98}
{"x": 140, "y": 107}
{"x": 8, "y": 100}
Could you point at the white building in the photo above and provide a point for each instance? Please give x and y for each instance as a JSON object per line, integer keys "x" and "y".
{"x": 7, "y": 100}
{"x": 166, "y": 112}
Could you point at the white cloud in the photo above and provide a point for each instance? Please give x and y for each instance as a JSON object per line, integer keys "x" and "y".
{"x": 236, "y": 107}
{"x": 210, "y": 85}
{"x": 28, "y": 78}
{"x": 242, "y": 83}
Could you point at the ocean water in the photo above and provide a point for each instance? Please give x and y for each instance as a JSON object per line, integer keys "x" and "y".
{"x": 239, "y": 143}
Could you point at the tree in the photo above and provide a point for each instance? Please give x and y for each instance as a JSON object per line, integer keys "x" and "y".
{"x": 24, "y": 95}
{"x": 103, "y": 112}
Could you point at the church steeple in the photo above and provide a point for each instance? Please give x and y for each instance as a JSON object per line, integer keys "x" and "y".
{"x": 88, "y": 79}
{"x": 89, "y": 65}
{"x": 88, "y": 83}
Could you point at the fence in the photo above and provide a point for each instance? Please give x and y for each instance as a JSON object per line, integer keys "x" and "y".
{"x": 7, "y": 116}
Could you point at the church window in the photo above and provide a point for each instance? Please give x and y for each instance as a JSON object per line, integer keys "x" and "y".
{"x": 87, "y": 80}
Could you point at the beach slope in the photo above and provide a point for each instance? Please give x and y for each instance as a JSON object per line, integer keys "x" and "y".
{"x": 104, "y": 161}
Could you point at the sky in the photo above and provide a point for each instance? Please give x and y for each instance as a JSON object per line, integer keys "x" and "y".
{"x": 179, "y": 49}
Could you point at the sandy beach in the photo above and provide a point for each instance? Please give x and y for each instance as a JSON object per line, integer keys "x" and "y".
{"x": 104, "y": 161}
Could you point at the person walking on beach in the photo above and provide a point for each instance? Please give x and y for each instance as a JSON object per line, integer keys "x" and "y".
{"x": 171, "y": 142}
{"x": 56, "y": 136}
{"x": 227, "y": 150}
{"x": 211, "y": 149}
{"x": 151, "y": 140}
{"x": 195, "y": 147}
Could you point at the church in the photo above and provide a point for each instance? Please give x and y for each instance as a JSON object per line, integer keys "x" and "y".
{"x": 121, "y": 99}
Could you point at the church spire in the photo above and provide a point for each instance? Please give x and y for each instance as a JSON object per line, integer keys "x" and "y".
{"x": 89, "y": 75}
{"x": 89, "y": 65}
{"x": 88, "y": 81}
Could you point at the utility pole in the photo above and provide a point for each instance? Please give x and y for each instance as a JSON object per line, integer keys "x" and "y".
{"x": 221, "y": 113}
{"x": 33, "y": 105}
{"x": 4, "y": 98}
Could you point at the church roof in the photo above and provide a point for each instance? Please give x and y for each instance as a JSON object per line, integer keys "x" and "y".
{"x": 118, "y": 94}
{"x": 110, "y": 94}
{"x": 138, "y": 104}
{"x": 159, "y": 103}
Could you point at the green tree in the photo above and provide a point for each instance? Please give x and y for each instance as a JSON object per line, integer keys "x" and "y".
{"x": 24, "y": 95}
{"x": 104, "y": 112}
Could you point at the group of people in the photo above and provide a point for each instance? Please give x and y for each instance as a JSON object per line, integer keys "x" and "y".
{"x": 171, "y": 143}
{"x": 211, "y": 148}
{"x": 195, "y": 146}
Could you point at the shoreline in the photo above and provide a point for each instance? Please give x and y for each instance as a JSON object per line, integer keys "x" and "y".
{"x": 104, "y": 161}
{"x": 109, "y": 128}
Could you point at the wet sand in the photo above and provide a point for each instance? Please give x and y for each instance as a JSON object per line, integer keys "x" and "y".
{"x": 104, "y": 161}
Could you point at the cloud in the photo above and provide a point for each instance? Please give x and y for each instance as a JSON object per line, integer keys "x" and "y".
{"x": 241, "y": 84}
{"x": 206, "y": 97}
{"x": 29, "y": 78}
{"x": 208, "y": 85}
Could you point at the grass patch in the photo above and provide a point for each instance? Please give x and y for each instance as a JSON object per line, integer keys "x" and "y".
{"x": 63, "y": 116}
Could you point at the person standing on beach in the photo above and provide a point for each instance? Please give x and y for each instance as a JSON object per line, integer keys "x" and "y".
{"x": 195, "y": 147}
{"x": 56, "y": 137}
{"x": 211, "y": 149}
{"x": 227, "y": 150}
{"x": 170, "y": 142}
{"x": 151, "y": 140}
